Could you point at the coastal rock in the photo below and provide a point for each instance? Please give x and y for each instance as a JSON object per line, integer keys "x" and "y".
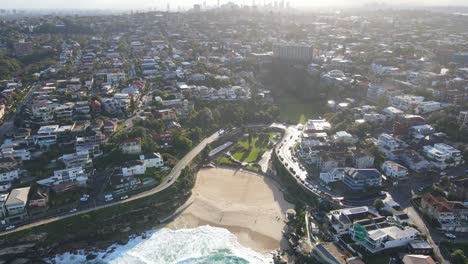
{"x": 17, "y": 250}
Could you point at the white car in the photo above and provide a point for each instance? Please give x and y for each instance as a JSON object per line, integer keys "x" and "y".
{"x": 124, "y": 197}
{"x": 73, "y": 210}
{"x": 451, "y": 236}
{"x": 10, "y": 227}
{"x": 83, "y": 199}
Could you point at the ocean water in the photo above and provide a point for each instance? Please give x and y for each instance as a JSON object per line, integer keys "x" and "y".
{"x": 201, "y": 245}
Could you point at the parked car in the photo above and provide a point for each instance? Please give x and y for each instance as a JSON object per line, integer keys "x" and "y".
{"x": 73, "y": 210}
{"x": 10, "y": 227}
{"x": 450, "y": 236}
{"x": 124, "y": 197}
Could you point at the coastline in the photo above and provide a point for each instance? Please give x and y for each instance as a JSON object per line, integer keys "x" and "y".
{"x": 248, "y": 205}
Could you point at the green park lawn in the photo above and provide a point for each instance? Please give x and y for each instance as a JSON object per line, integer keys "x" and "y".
{"x": 294, "y": 109}
{"x": 251, "y": 152}
{"x": 226, "y": 161}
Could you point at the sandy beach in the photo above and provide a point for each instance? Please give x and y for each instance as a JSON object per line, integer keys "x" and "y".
{"x": 248, "y": 205}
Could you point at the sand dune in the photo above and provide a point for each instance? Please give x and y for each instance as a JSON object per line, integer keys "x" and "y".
{"x": 248, "y": 205}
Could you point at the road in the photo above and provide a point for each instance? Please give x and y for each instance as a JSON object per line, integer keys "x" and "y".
{"x": 174, "y": 174}
{"x": 284, "y": 151}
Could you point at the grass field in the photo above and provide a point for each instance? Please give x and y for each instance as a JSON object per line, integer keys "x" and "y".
{"x": 251, "y": 152}
{"x": 223, "y": 160}
{"x": 294, "y": 109}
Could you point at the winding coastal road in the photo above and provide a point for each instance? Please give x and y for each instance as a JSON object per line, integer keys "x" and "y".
{"x": 173, "y": 175}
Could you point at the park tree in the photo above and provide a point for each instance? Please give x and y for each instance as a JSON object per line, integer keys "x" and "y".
{"x": 379, "y": 204}
{"x": 458, "y": 257}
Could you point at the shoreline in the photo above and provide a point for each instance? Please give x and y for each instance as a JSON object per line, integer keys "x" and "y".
{"x": 248, "y": 205}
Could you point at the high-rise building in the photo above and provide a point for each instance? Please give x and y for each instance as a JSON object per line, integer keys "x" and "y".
{"x": 293, "y": 52}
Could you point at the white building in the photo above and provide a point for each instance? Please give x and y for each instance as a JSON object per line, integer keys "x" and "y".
{"x": 131, "y": 146}
{"x": 9, "y": 174}
{"x": 69, "y": 175}
{"x": 153, "y": 160}
{"x": 394, "y": 170}
{"x": 389, "y": 237}
{"x": 442, "y": 155}
{"x": 406, "y": 102}
{"x": 317, "y": 125}
{"x": 16, "y": 202}
{"x": 46, "y": 136}
{"x": 344, "y": 137}
{"x": 116, "y": 77}
{"x": 131, "y": 168}
{"x": 292, "y": 52}
{"x": 428, "y": 107}
{"x": 387, "y": 142}
{"x": 332, "y": 176}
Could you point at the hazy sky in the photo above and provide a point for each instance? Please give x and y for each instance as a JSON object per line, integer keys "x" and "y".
{"x": 135, "y": 4}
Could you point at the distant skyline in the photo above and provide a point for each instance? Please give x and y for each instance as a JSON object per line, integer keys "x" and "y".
{"x": 161, "y": 4}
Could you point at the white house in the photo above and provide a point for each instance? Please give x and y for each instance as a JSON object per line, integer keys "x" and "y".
{"x": 153, "y": 160}
{"x": 394, "y": 170}
{"x": 46, "y": 136}
{"x": 16, "y": 202}
{"x": 389, "y": 237}
{"x": 131, "y": 146}
{"x": 442, "y": 155}
{"x": 9, "y": 174}
{"x": 135, "y": 167}
{"x": 75, "y": 175}
{"x": 332, "y": 176}
{"x": 387, "y": 142}
{"x": 428, "y": 107}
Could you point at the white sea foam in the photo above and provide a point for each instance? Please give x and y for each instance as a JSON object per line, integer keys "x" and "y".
{"x": 205, "y": 244}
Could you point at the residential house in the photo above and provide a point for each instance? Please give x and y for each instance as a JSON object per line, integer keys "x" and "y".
{"x": 9, "y": 174}
{"x": 3, "y": 199}
{"x": 131, "y": 146}
{"x": 77, "y": 159}
{"x": 389, "y": 237}
{"x": 417, "y": 259}
{"x": 442, "y": 155}
{"x": 167, "y": 114}
{"x": 332, "y": 175}
{"x": 134, "y": 167}
{"x": 153, "y": 160}
{"x": 16, "y": 204}
{"x": 361, "y": 179}
{"x": 82, "y": 107}
{"x": 394, "y": 170}
{"x": 109, "y": 126}
{"x": 342, "y": 220}
{"x": 451, "y": 215}
{"x": 39, "y": 196}
{"x": 120, "y": 182}
{"x": 363, "y": 159}
{"x": 420, "y": 247}
{"x": 414, "y": 161}
{"x": 46, "y": 136}
{"x": 66, "y": 179}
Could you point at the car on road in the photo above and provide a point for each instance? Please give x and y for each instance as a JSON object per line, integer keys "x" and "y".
{"x": 10, "y": 227}
{"x": 73, "y": 210}
{"x": 450, "y": 236}
{"x": 108, "y": 198}
{"x": 171, "y": 178}
{"x": 124, "y": 197}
